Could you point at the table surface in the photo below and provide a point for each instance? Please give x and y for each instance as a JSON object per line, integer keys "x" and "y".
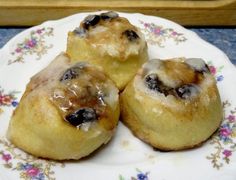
{"x": 224, "y": 39}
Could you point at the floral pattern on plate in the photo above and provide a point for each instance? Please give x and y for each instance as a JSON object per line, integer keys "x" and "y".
{"x": 224, "y": 141}
{"x": 28, "y": 167}
{"x": 139, "y": 176}
{"x": 32, "y": 168}
{"x": 7, "y": 99}
{"x": 216, "y": 71}
{"x": 34, "y": 44}
{"x": 157, "y": 34}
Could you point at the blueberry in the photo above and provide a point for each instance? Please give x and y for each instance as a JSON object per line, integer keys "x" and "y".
{"x": 70, "y": 73}
{"x": 80, "y": 32}
{"x": 83, "y": 115}
{"x": 131, "y": 35}
{"x": 153, "y": 82}
{"x": 91, "y": 20}
{"x": 186, "y": 91}
{"x": 109, "y": 15}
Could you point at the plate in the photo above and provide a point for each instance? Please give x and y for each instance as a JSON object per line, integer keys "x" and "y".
{"x": 125, "y": 157}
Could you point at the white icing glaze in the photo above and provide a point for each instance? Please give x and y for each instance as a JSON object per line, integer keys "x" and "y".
{"x": 194, "y": 90}
{"x": 156, "y": 66}
{"x": 112, "y": 97}
{"x": 114, "y": 47}
{"x": 196, "y": 63}
{"x": 106, "y": 37}
{"x": 81, "y": 91}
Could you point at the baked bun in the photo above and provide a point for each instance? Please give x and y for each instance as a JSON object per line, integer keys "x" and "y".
{"x": 111, "y": 42}
{"x": 67, "y": 111}
{"x": 172, "y": 104}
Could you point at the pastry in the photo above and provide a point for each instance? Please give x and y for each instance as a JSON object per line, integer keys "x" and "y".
{"x": 67, "y": 111}
{"x": 111, "y": 42}
{"x": 172, "y": 104}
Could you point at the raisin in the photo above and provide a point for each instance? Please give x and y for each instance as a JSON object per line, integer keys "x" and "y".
{"x": 206, "y": 69}
{"x": 109, "y": 15}
{"x": 91, "y": 20}
{"x": 153, "y": 82}
{"x": 70, "y": 73}
{"x": 186, "y": 91}
{"x": 83, "y": 115}
{"x": 131, "y": 35}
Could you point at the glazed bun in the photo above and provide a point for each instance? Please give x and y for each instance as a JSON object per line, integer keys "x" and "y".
{"x": 172, "y": 104}
{"x": 67, "y": 111}
{"x": 111, "y": 42}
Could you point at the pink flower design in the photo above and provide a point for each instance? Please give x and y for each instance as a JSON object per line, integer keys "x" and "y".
{"x": 6, "y": 157}
{"x": 18, "y": 50}
{"x": 32, "y": 172}
{"x": 156, "y": 34}
{"x": 5, "y": 99}
{"x": 34, "y": 44}
{"x": 1, "y": 99}
{"x": 8, "y": 99}
{"x": 227, "y": 153}
{"x": 31, "y": 43}
{"x": 231, "y": 118}
{"x": 212, "y": 70}
{"x": 225, "y": 132}
{"x": 174, "y": 33}
{"x": 146, "y": 25}
{"x": 157, "y": 31}
{"x": 39, "y": 31}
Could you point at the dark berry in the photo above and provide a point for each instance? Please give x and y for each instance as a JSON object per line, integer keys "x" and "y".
{"x": 70, "y": 73}
{"x": 153, "y": 82}
{"x": 82, "y": 115}
{"x": 206, "y": 69}
{"x": 131, "y": 35}
{"x": 186, "y": 91}
{"x": 80, "y": 32}
{"x": 109, "y": 15}
{"x": 91, "y": 20}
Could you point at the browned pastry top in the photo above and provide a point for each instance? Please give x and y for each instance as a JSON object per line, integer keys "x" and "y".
{"x": 182, "y": 78}
{"x": 81, "y": 93}
{"x": 112, "y": 35}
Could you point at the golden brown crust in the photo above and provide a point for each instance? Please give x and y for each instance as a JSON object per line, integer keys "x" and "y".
{"x": 175, "y": 69}
{"x": 105, "y": 45}
{"x": 168, "y": 122}
{"x": 39, "y": 126}
{"x": 146, "y": 134}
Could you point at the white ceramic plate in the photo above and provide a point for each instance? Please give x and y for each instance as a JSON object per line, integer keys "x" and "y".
{"x": 125, "y": 157}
